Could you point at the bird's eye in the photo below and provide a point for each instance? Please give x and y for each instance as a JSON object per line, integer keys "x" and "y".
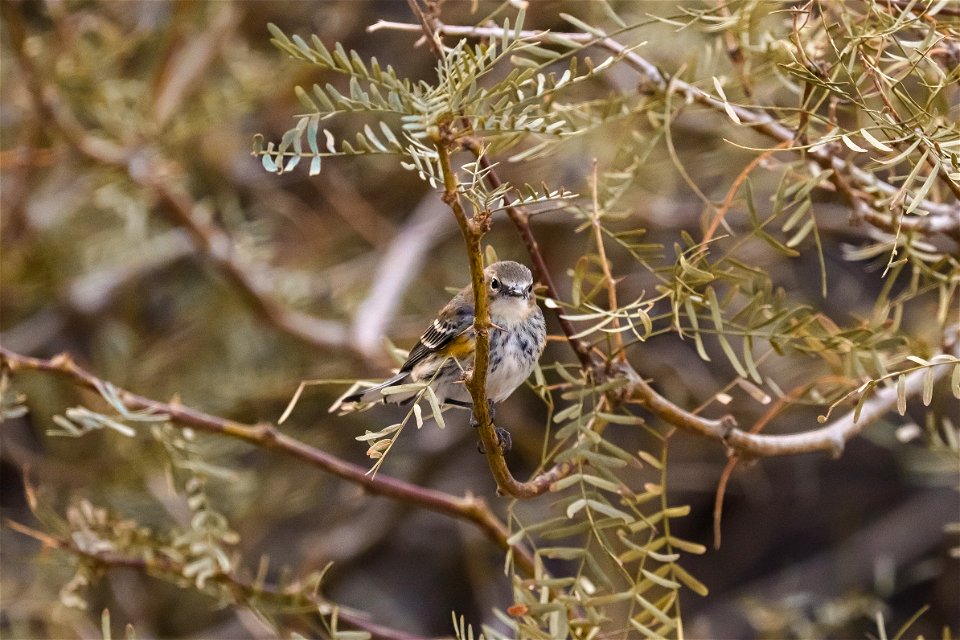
{"x": 528, "y": 289}
{"x": 494, "y": 284}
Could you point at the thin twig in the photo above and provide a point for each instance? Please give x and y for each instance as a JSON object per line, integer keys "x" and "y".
{"x": 618, "y": 353}
{"x": 724, "y": 207}
{"x": 428, "y": 29}
{"x": 266, "y": 436}
{"x": 734, "y": 459}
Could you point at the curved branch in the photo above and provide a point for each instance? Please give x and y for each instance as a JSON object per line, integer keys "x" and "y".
{"x": 834, "y": 436}
{"x": 830, "y": 438}
{"x": 399, "y": 264}
{"x": 266, "y": 436}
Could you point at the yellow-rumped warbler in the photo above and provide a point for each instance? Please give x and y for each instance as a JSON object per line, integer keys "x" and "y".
{"x": 444, "y": 354}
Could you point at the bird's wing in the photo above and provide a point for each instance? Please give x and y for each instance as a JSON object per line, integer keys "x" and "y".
{"x": 454, "y": 320}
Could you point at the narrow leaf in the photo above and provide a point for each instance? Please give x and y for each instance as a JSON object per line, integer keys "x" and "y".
{"x": 689, "y": 581}
{"x": 928, "y": 381}
{"x": 901, "y": 394}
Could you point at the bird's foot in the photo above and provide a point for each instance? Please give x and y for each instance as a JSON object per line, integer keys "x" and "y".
{"x": 490, "y": 410}
{"x": 504, "y": 441}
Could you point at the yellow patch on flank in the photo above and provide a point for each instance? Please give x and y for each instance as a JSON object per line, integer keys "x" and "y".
{"x": 460, "y": 347}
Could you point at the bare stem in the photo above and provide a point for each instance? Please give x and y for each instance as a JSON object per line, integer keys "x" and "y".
{"x": 473, "y": 229}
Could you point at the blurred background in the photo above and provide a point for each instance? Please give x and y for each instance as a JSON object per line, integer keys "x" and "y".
{"x": 98, "y": 261}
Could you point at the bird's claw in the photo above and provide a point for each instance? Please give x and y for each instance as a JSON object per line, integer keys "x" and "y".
{"x": 504, "y": 441}
{"x": 490, "y": 411}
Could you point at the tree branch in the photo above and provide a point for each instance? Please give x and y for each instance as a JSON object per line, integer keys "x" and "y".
{"x": 266, "y": 436}
{"x": 242, "y": 590}
{"x": 830, "y": 438}
{"x": 399, "y": 263}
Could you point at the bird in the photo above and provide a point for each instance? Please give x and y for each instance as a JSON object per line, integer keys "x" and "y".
{"x": 443, "y": 356}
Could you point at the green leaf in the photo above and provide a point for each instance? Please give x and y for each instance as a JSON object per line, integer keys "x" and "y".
{"x": 608, "y": 510}
{"x": 655, "y": 611}
{"x": 646, "y": 631}
{"x": 650, "y": 459}
{"x": 689, "y": 581}
{"x": 928, "y": 381}
{"x": 924, "y": 189}
{"x": 694, "y": 322}
{"x": 717, "y": 316}
{"x": 666, "y": 583}
{"x": 576, "y": 506}
{"x": 686, "y": 545}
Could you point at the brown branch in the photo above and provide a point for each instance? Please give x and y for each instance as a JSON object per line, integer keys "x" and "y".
{"x": 834, "y": 436}
{"x": 398, "y": 264}
{"x": 242, "y": 590}
{"x": 217, "y": 246}
{"x": 186, "y": 67}
{"x": 472, "y": 229}
{"x": 266, "y": 436}
{"x": 427, "y": 26}
{"x": 830, "y": 438}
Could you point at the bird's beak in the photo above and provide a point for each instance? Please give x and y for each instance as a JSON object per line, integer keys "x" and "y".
{"x": 516, "y": 292}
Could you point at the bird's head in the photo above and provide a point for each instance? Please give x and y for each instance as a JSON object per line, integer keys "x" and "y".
{"x": 509, "y": 284}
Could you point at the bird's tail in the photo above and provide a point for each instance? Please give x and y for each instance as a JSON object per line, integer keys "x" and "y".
{"x": 364, "y": 398}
